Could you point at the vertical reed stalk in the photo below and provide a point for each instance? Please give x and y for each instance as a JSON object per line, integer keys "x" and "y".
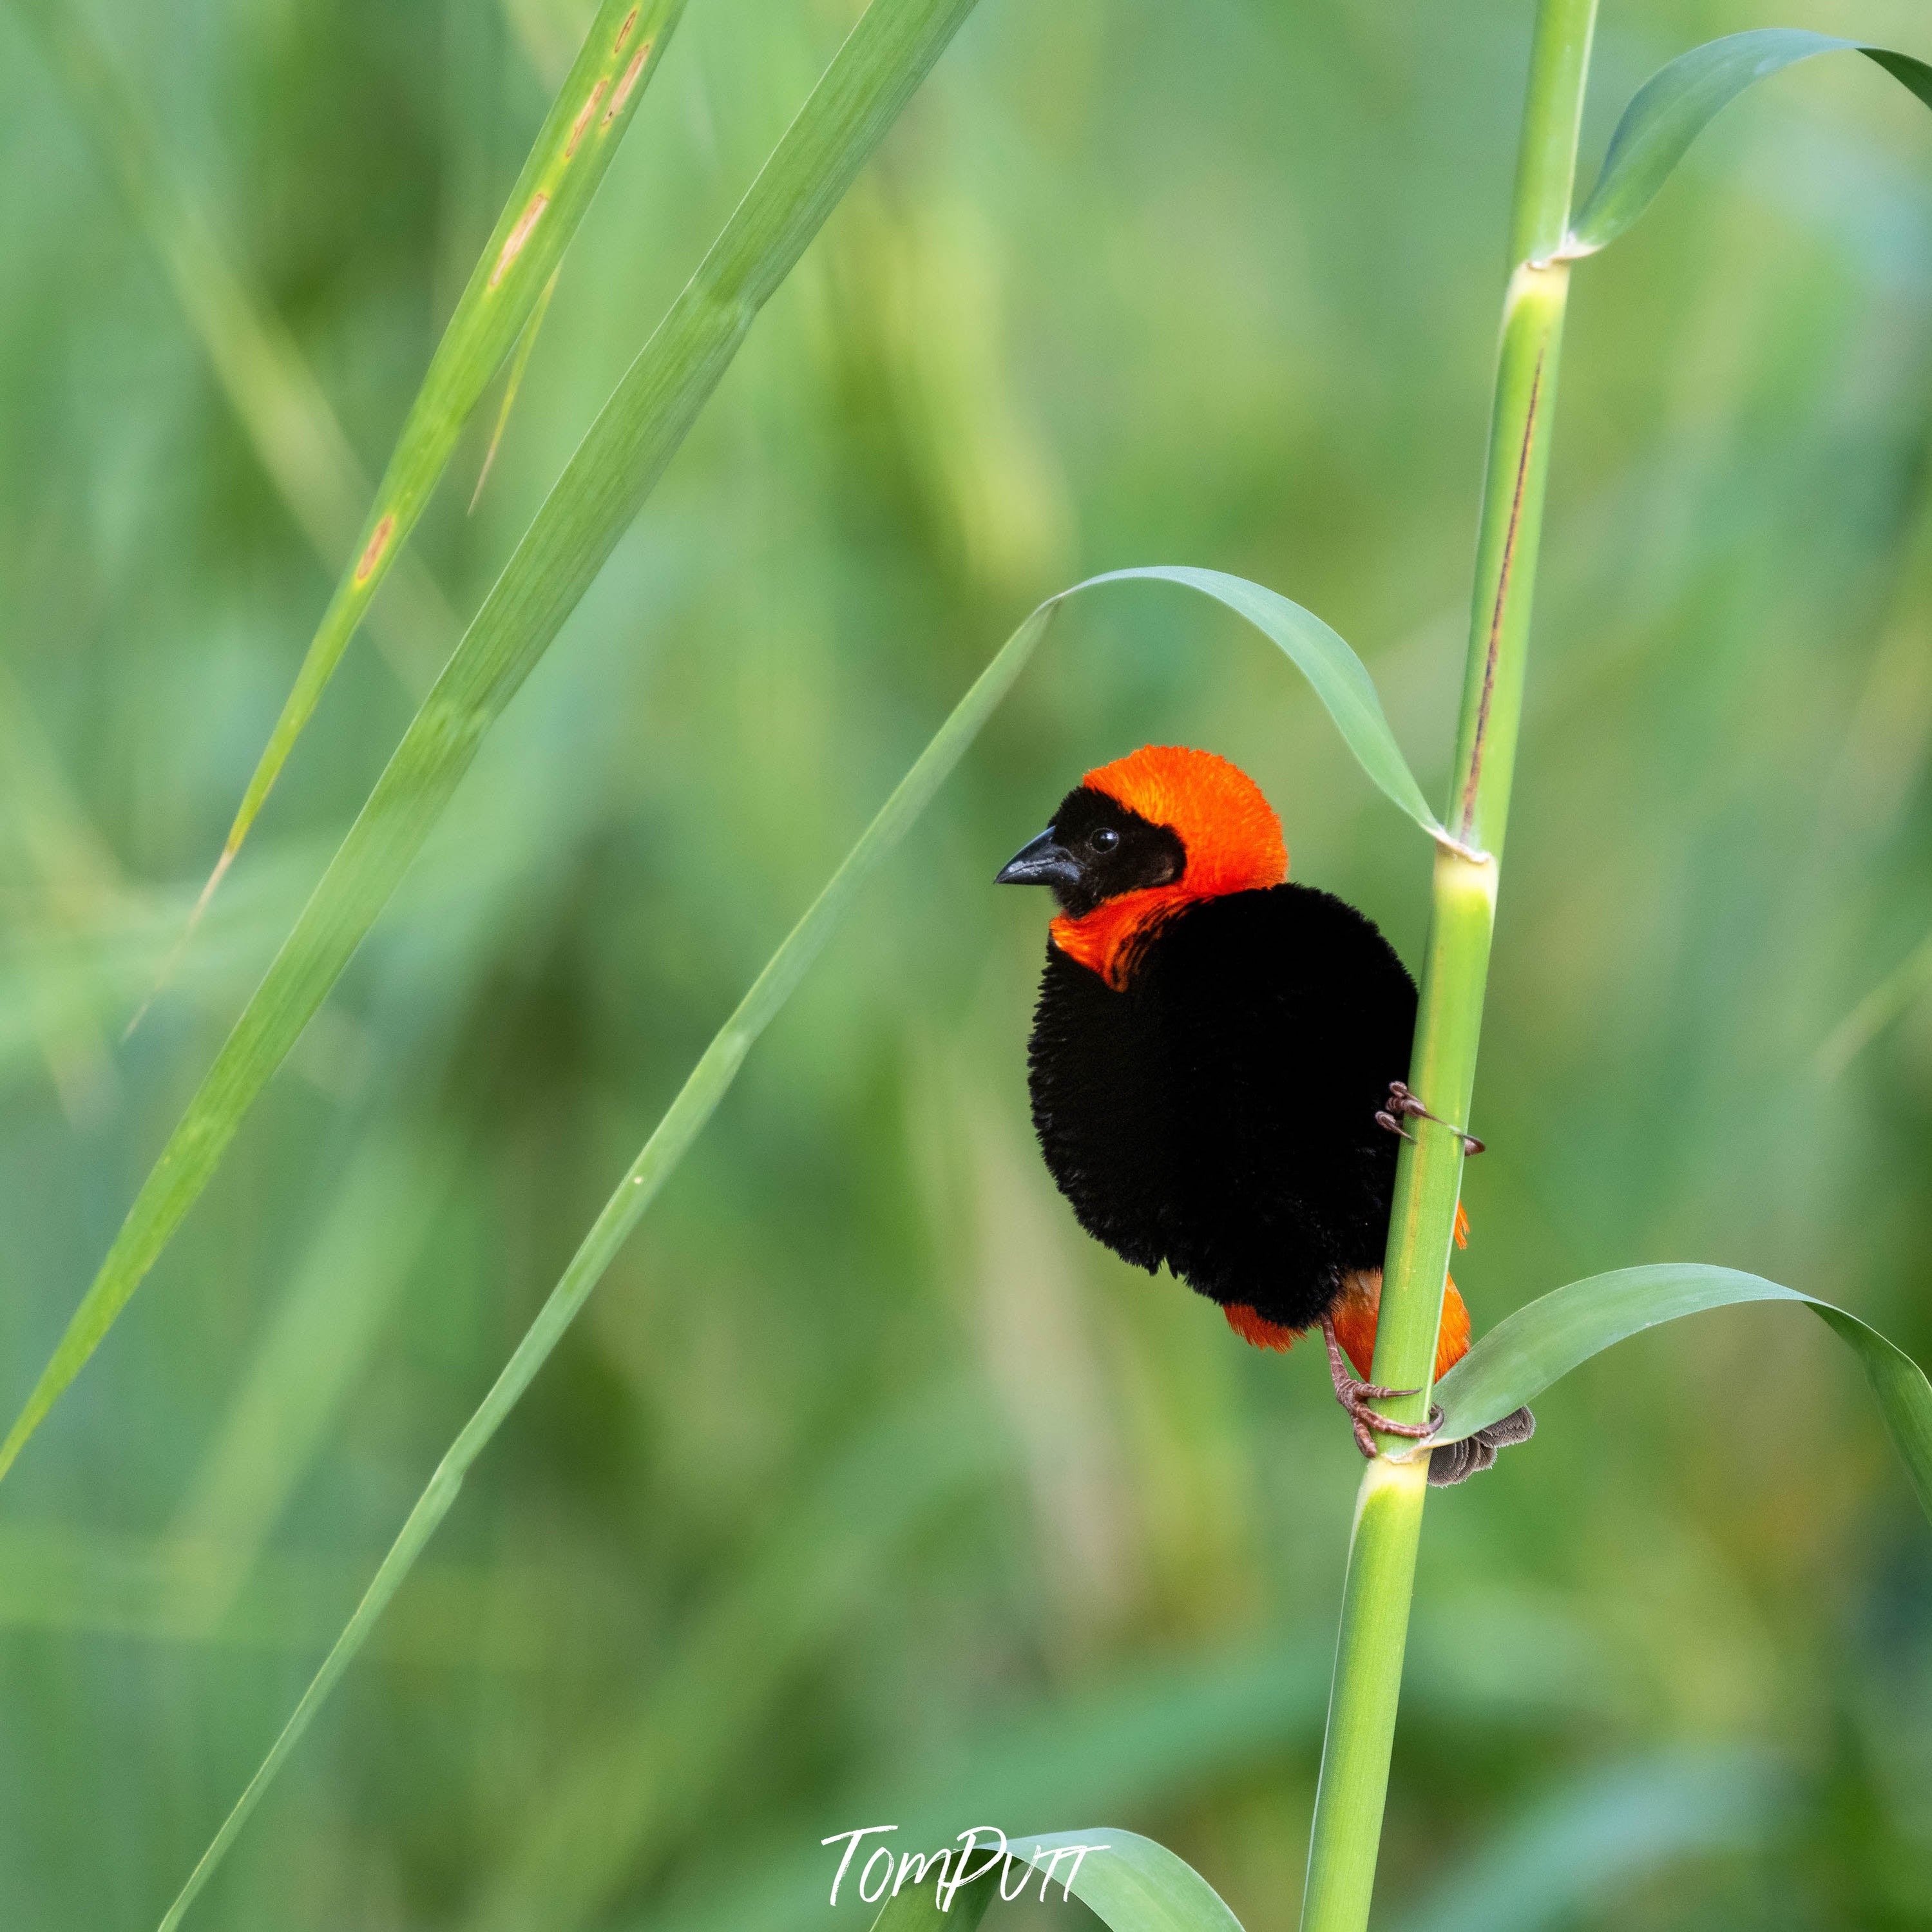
{"x": 1388, "y": 1513}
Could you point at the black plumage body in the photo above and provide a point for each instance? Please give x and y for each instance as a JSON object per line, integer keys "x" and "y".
{"x": 1217, "y": 1112}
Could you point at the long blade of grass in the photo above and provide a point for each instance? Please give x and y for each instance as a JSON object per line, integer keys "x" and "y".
{"x": 1523, "y": 1354}
{"x": 698, "y": 1099}
{"x": 887, "y": 54}
{"x": 621, "y": 53}
{"x": 1678, "y": 102}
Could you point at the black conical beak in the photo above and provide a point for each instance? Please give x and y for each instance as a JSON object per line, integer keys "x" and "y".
{"x": 1045, "y": 862}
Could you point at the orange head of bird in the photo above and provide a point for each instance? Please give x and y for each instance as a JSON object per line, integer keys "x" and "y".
{"x": 1137, "y": 840}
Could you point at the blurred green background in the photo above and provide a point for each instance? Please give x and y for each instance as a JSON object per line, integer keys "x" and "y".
{"x": 869, "y": 1490}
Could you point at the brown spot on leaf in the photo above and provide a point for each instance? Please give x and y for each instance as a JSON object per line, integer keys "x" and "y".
{"x": 624, "y": 31}
{"x": 519, "y": 235}
{"x": 582, "y": 120}
{"x": 629, "y": 81}
{"x": 378, "y": 542}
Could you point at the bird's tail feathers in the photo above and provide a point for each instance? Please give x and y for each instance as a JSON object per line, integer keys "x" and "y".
{"x": 1457, "y": 1462}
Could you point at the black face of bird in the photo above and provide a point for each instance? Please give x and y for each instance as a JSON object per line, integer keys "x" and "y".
{"x": 1095, "y": 849}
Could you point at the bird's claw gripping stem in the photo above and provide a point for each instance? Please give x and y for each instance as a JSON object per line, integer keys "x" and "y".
{"x": 1354, "y": 1395}
{"x": 1403, "y": 1105}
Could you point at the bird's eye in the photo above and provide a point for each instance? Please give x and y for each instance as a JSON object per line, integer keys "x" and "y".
{"x": 1104, "y": 840}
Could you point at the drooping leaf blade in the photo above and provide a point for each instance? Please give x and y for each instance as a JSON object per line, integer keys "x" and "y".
{"x": 917, "y": 1909}
{"x": 1134, "y": 1884}
{"x": 698, "y": 1099}
{"x": 1528, "y": 1351}
{"x": 622, "y": 52}
{"x": 888, "y": 53}
{"x": 1679, "y": 101}
{"x": 1340, "y": 678}
{"x": 1129, "y": 1883}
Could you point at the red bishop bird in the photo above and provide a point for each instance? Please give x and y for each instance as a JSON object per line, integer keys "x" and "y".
{"x": 1216, "y": 1068}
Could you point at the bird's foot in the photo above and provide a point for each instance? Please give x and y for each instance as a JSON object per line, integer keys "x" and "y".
{"x": 1354, "y": 1395}
{"x": 1355, "y": 1399}
{"x": 1403, "y": 1105}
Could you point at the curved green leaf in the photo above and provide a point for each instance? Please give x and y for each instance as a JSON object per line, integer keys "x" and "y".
{"x": 1340, "y": 678}
{"x": 1522, "y": 1355}
{"x": 882, "y": 62}
{"x": 917, "y": 1909}
{"x": 707, "y": 1084}
{"x": 1129, "y": 1883}
{"x": 1675, "y": 105}
{"x": 620, "y": 56}
{"x": 1134, "y": 1884}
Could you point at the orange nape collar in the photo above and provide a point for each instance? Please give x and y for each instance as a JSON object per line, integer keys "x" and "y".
{"x": 1228, "y": 829}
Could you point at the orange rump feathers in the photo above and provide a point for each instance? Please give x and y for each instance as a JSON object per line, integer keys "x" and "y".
{"x": 1355, "y": 1315}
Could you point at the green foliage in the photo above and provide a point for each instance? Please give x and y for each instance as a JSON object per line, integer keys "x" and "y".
{"x": 1345, "y": 1842}
{"x": 1338, "y": 677}
{"x": 1518, "y": 1359}
{"x": 1567, "y": 1327}
{"x": 623, "y": 50}
{"x": 1156, "y": 283}
{"x": 276, "y": 397}
{"x": 594, "y": 501}
{"x": 1129, "y": 1883}
{"x": 1677, "y": 103}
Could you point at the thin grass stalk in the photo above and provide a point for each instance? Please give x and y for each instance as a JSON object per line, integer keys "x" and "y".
{"x": 1354, "y": 1783}
{"x": 695, "y": 1103}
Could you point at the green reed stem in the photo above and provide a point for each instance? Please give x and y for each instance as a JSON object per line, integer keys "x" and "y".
{"x": 1388, "y": 1515}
